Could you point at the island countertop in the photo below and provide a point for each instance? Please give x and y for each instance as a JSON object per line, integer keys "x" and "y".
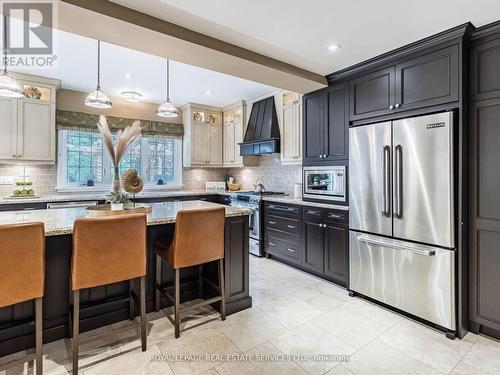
{"x": 60, "y": 221}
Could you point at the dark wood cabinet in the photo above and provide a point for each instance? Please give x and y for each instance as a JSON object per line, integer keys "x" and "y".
{"x": 313, "y": 235}
{"x": 428, "y": 80}
{"x": 484, "y": 236}
{"x": 336, "y": 251}
{"x": 326, "y": 125}
{"x": 485, "y": 72}
{"x": 373, "y": 94}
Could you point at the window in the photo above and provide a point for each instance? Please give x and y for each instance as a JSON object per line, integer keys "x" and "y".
{"x": 82, "y": 157}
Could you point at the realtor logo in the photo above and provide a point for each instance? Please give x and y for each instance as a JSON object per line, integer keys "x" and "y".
{"x": 29, "y": 32}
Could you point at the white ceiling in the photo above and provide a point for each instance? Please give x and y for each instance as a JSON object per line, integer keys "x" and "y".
{"x": 77, "y": 70}
{"x": 299, "y": 32}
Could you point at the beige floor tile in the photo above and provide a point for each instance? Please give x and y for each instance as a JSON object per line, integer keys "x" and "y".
{"x": 200, "y": 341}
{"x": 322, "y": 296}
{"x": 379, "y": 358}
{"x": 355, "y": 329}
{"x": 249, "y": 328}
{"x": 261, "y": 366}
{"x": 289, "y": 311}
{"x": 339, "y": 370}
{"x": 375, "y": 312}
{"x": 270, "y": 289}
{"x": 427, "y": 345}
{"x": 309, "y": 339}
{"x": 482, "y": 359}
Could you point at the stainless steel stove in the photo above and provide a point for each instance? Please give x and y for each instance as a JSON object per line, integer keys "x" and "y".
{"x": 253, "y": 201}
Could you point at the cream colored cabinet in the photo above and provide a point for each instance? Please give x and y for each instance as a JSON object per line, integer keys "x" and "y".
{"x": 291, "y": 127}
{"x": 28, "y": 125}
{"x": 233, "y": 134}
{"x": 202, "y": 136}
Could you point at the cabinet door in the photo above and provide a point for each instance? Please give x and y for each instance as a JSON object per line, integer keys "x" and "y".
{"x": 36, "y": 131}
{"x": 238, "y": 135}
{"x": 336, "y": 136}
{"x": 372, "y": 94}
{"x": 429, "y": 80}
{"x": 484, "y": 235}
{"x": 485, "y": 75}
{"x": 199, "y": 143}
{"x": 336, "y": 252}
{"x": 314, "y": 118}
{"x": 289, "y": 133}
{"x": 8, "y": 129}
{"x": 313, "y": 244}
{"x": 215, "y": 143}
{"x": 229, "y": 143}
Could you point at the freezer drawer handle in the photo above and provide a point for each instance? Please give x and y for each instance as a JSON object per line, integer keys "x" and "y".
{"x": 378, "y": 242}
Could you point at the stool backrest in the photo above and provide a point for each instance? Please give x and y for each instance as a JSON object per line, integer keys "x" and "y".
{"x": 22, "y": 262}
{"x": 107, "y": 250}
{"x": 198, "y": 237}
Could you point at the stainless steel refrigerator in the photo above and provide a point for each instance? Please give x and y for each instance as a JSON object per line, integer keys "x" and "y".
{"x": 401, "y": 215}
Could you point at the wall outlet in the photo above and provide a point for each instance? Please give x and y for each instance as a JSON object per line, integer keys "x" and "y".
{"x": 6, "y": 180}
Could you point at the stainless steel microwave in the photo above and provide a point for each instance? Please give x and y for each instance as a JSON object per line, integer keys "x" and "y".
{"x": 325, "y": 183}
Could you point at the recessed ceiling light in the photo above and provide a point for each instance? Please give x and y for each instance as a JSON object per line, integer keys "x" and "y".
{"x": 132, "y": 96}
{"x": 208, "y": 92}
{"x": 334, "y": 47}
{"x": 128, "y": 75}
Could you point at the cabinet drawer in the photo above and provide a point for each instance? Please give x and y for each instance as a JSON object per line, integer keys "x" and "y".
{"x": 337, "y": 216}
{"x": 285, "y": 236}
{"x": 288, "y": 225}
{"x": 279, "y": 209}
{"x": 285, "y": 249}
{"x": 312, "y": 212}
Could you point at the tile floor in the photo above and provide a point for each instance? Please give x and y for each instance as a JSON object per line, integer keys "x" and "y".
{"x": 293, "y": 314}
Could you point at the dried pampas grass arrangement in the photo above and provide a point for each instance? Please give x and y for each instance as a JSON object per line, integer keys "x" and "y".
{"x": 123, "y": 141}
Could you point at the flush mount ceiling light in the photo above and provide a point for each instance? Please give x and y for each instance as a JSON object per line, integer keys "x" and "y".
{"x": 334, "y": 47}
{"x": 127, "y": 75}
{"x": 9, "y": 88}
{"x": 97, "y": 98}
{"x": 208, "y": 92}
{"x": 132, "y": 96}
{"x": 167, "y": 109}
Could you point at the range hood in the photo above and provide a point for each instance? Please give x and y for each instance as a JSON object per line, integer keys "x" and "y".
{"x": 263, "y": 132}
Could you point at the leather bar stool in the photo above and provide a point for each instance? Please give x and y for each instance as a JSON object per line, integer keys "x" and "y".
{"x": 198, "y": 239}
{"x": 105, "y": 251}
{"x": 22, "y": 276}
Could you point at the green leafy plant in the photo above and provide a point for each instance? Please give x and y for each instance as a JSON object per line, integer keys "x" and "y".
{"x": 116, "y": 198}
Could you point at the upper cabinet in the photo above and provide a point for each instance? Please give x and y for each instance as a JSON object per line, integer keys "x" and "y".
{"x": 28, "y": 124}
{"x": 485, "y": 72}
{"x": 203, "y": 135}
{"x": 428, "y": 80}
{"x": 290, "y": 104}
{"x": 326, "y": 127}
{"x": 233, "y": 118}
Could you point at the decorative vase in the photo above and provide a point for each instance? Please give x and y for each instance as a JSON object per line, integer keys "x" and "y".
{"x": 116, "y": 206}
{"x": 116, "y": 181}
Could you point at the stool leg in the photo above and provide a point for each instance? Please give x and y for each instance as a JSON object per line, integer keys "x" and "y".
{"x": 222, "y": 290}
{"x": 76, "y": 322}
{"x": 38, "y": 335}
{"x": 177, "y": 302}
{"x": 158, "y": 282}
{"x": 200, "y": 281}
{"x": 143, "y": 313}
{"x": 131, "y": 312}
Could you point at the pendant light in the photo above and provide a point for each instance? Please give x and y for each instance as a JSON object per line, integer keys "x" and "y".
{"x": 167, "y": 109}
{"x": 97, "y": 98}
{"x": 9, "y": 88}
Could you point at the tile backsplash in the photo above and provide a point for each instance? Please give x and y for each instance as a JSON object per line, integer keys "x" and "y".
{"x": 275, "y": 176}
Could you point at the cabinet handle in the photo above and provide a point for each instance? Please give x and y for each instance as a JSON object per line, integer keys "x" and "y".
{"x": 272, "y": 222}
{"x": 14, "y": 156}
{"x": 333, "y": 216}
{"x": 291, "y": 226}
{"x": 321, "y": 156}
{"x": 324, "y": 156}
{"x": 391, "y": 107}
{"x": 312, "y": 212}
{"x": 291, "y": 250}
{"x": 397, "y": 105}
{"x": 272, "y": 244}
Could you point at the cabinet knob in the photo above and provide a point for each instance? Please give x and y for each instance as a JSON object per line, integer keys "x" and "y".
{"x": 391, "y": 107}
{"x": 324, "y": 156}
{"x": 397, "y": 105}
{"x": 321, "y": 156}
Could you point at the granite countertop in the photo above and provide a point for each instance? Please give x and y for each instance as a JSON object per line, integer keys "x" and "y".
{"x": 60, "y": 221}
{"x": 69, "y": 197}
{"x": 299, "y": 201}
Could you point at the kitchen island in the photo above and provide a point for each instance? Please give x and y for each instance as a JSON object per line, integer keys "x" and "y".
{"x": 110, "y": 304}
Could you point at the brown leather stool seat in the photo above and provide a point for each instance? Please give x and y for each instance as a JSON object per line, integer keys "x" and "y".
{"x": 22, "y": 276}
{"x": 198, "y": 239}
{"x": 108, "y": 250}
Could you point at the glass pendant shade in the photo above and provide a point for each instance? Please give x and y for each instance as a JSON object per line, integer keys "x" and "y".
{"x": 167, "y": 109}
{"x": 9, "y": 88}
{"x": 98, "y": 99}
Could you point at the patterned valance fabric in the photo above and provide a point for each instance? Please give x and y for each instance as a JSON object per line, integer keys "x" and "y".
{"x": 70, "y": 120}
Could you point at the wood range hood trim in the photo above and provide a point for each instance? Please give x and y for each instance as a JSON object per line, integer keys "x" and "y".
{"x": 136, "y": 30}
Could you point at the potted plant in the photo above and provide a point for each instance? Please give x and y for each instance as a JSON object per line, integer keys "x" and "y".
{"x": 117, "y": 200}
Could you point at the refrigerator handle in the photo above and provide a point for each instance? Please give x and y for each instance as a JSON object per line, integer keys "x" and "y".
{"x": 398, "y": 204}
{"x": 386, "y": 182}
